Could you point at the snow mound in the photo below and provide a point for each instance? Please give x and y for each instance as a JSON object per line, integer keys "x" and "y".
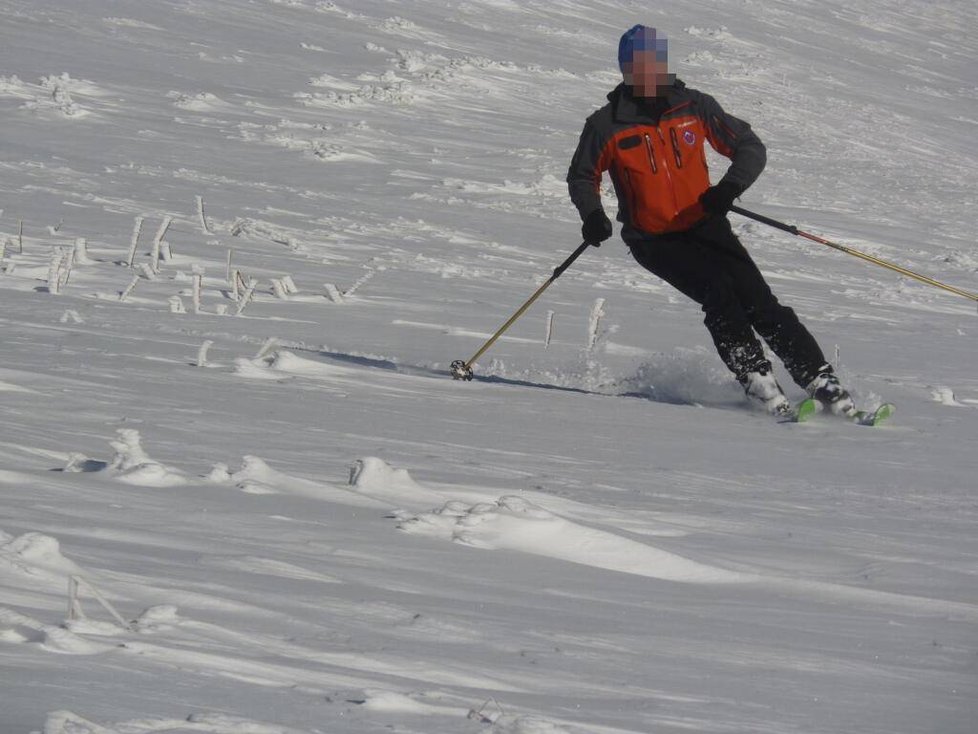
{"x": 225, "y": 724}
{"x": 256, "y": 477}
{"x": 16, "y": 628}
{"x": 945, "y": 396}
{"x": 80, "y": 463}
{"x": 513, "y": 523}
{"x": 11, "y": 387}
{"x": 405, "y": 703}
{"x": 159, "y": 618}
{"x": 97, "y": 627}
{"x": 371, "y": 473}
{"x": 376, "y": 478}
{"x": 201, "y": 102}
{"x": 527, "y": 725}
{"x": 282, "y": 365}
{"x": 19, "y": 628}
{"x": 68, "y": 722}
{"x": 66, "y": 642}
{"x": 51, "y": 97}
{"x": 255, "y": 369}
{"x": 290, "y": 364}
{"x": 35, "y": 554}
{"x": 134, "y": 466}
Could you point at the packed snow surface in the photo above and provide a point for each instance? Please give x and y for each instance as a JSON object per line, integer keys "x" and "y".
{"x": 241, "y": 243}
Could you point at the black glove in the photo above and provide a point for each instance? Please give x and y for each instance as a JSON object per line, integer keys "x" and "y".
{"x": 596, "y": 228}
{"x": 718, "y": 199}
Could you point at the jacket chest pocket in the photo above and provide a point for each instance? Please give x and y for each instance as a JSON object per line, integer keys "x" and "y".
{"x": 637, "y": 152}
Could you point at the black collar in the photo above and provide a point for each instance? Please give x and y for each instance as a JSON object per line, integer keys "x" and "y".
{"x": 628, "y": 108}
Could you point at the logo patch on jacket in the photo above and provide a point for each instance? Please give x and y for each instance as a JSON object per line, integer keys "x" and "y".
{"x": 690, "y": 137}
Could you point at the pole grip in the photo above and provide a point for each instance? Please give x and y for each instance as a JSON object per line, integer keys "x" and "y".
{"x": 559, "y": 270}
{"x": 765, "y": 220}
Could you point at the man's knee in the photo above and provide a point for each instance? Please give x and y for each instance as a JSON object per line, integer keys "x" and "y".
{"x": 770, "y": 314}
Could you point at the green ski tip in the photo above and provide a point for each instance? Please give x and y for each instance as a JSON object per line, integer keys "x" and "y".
{"x": 874, "y": 418}
{"x": 810, "y": 407}
{"x": 805, "y": 410}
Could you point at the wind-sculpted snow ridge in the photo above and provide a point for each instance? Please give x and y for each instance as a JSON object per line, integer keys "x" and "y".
{"x": 32, "y": 570}
{"x": 373, "y": 477}
{"x": 256, "y": 477}
{"x": 514, "y": 524}
{"x": 341, "y": 376}
{"x": 422, "y": 704}
{"x": 529, "y": 725}
{"x": 35, "y": 555}
{"x": 131, "y": 464}
{"x": 20, "y": 628}
{"x": 397, "y": 489}
{"x": 31, "y": 567}
{"x": 200, "y": 102}
{"x": 68, "y": 722}
{"x": 52, "y": 96}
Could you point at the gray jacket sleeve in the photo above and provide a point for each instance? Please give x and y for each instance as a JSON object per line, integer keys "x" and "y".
{"x": 584, "y": 175}
{"x": 733, "y": 138}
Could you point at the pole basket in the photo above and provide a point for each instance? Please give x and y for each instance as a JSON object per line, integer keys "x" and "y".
{"x": 461, "y": 371}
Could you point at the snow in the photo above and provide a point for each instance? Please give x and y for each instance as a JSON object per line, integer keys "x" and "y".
{"x": 308, "y": 527}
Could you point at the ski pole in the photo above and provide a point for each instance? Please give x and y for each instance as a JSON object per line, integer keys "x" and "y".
{"x": 462, "y": 370}
{"x": 849, "y": 251}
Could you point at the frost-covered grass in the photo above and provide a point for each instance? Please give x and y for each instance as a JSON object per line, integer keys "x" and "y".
{"x": 242, "y": 242}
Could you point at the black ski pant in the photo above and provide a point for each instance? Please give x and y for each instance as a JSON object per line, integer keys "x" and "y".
{"x": 710, "y": 265}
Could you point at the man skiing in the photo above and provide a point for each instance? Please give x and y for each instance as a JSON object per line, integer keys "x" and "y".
{"x": 649, "y": 138}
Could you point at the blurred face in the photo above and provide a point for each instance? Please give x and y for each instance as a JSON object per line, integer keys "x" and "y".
{"x": 648, "y": 71}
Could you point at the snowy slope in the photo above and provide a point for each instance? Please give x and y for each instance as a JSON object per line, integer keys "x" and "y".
{"x": 283, "y": 516}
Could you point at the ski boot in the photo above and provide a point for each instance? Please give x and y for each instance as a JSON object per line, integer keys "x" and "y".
{"x": 761, "y": 386}
{"x": 827, "y": 390}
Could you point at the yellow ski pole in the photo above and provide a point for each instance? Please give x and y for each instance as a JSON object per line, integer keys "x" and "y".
{"x": 462, "y": 370}
{"x": 850, "y": 251}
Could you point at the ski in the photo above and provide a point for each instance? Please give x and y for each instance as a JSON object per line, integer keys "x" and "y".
{"x": 874, "y": 417}
{"x": 805, "y": 410}
{"x": 810, "y": 407}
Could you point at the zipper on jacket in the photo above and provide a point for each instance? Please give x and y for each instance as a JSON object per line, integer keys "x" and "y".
{"x": 630, "y": 195}
{"x": 648, "y": 148}
{"x": 675, "y": 147}
{"x": 672, "y": 185}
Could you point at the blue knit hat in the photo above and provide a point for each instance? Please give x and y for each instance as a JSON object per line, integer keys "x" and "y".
{"x": 640, "y": 38}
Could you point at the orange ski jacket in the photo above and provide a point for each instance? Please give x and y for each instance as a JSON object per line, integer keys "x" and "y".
{"x": 653, "y": 151}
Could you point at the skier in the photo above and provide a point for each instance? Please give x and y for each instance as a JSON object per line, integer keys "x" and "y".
{"x": 649, "y": 137}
